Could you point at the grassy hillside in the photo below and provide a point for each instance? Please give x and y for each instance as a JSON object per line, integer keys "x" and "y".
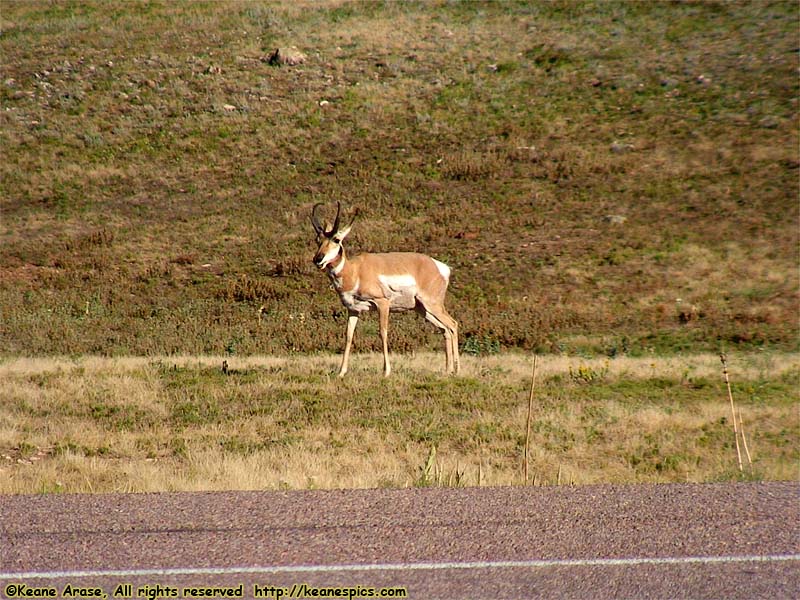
{"x": 610, "y": 177}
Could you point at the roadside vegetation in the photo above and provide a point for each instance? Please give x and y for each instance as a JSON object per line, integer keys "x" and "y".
{"x": 182, "y": 423}
{"x": 609, "y": 181}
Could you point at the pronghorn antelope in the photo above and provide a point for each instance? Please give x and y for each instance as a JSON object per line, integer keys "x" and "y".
{"x": 390, "y": 282}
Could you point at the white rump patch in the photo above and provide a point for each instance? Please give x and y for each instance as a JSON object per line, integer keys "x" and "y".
{"x": 443, "y": 269}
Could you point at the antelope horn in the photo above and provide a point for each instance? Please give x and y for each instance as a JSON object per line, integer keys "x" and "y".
{"x": 315, "y": 223}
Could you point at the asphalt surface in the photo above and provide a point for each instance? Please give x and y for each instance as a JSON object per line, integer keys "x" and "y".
{"x": 638, "y": 541}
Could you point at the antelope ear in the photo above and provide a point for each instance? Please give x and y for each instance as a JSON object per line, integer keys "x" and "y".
{"x": 342, "y": 233}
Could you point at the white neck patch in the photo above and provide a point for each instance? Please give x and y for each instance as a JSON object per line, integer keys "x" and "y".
{"x": 340, "y": 267}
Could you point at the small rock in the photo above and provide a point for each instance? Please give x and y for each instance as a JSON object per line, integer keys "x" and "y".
{"x": 615, "y": 219}
{"x": 769, "y": 122}
{"x": 738, "y": 118}
{"x": 286, "y": 56}
{"x": 619, "y": 147}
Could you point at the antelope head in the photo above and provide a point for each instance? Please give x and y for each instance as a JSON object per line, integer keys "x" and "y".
{"x": 329, "y": 238}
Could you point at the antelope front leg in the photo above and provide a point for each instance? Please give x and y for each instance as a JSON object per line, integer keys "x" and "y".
{"x": 383, "y": 312}
{"x": 352, "y": 321}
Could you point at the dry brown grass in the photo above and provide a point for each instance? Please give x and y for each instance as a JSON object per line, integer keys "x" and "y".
{"x": 177, "y": 423}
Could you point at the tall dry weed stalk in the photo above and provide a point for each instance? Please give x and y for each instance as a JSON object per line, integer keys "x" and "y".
{"x": 530, "y": 412}
{"x": 738, "y": 428}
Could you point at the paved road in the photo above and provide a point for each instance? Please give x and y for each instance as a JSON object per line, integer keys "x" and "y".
{"x": 644, "y": 541}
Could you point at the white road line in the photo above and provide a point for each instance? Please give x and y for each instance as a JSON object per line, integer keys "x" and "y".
{"x": 421, "y": 566}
